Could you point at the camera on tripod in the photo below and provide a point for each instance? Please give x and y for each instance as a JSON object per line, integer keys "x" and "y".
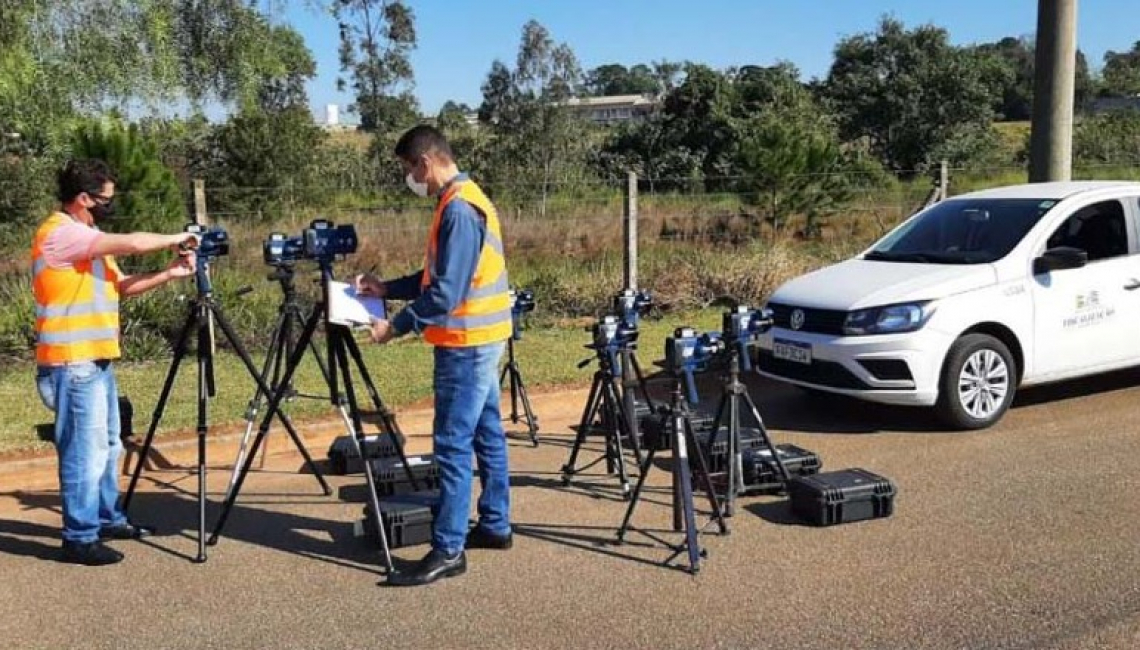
{"x": 213, "y": 241}
{"x": 522, "y": 302}
{"x": 281, "y": 250}
{"x": 324, "y": 241}
{"x": 741, "y": 327}
{"x": 629, "y": 305}
{"x": 688, "y": 352}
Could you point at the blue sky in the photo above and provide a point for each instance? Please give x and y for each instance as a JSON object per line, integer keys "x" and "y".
{"x": 458, "y": 41}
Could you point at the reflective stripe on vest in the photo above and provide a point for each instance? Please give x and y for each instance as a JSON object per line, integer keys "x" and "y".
{"x": 77, "y": 308}
{"x": 484, "y": 315}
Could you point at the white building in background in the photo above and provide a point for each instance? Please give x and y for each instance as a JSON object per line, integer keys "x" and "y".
{"x": 614, "y": 108}
{"x": 332, "y": 120}
{"x": 611, "y": 109}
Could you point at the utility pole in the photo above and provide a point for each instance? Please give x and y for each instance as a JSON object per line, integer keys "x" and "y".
{"x": 1051, "y": 138}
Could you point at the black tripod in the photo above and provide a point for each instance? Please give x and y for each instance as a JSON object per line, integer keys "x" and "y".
{"x": 734, "y": 392}
{"x": 518, "y": 392}
{"x": 682, "y": 439}
{"x": 204, "y": 311}
{"x": 341, "y": 345}
{"x": 290, "y": 322}
{"x": 613, "y": 412}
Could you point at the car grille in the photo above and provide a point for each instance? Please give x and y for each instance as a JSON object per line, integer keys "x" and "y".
{"x": 822, "y": 373}
{"x": 818, "y": 321}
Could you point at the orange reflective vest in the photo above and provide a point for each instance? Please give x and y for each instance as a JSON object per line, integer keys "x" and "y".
{"x": 484, "y": 316}
{"x": 77, "y": 308}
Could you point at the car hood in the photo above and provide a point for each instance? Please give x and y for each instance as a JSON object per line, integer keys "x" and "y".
{"x": 859, "y": 284}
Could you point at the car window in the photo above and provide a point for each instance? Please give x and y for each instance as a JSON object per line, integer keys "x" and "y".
{"x": 1098, "y": 229}
{"x": 962, "y": 231}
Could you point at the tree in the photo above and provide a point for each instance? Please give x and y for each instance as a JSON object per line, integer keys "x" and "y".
{"x": 263, "y": 161}
{"x": 1121, "y": 73}
{"x": 1013, "y": 99}
{"x": 906, "y": 91}
{"x": 453, "y": 116}
{"x": 292, "y": 66}
{"x": 790, "y": 154}
{"x": 537, "y": 138}
{"x": 147, "y": 195}
{"x": 616, "y": 79}
{"x": 376, "y": 40}
{"x": 65, "y": 59}
{"x": 698, "y": 117}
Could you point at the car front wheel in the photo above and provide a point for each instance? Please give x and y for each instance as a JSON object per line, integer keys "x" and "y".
{"x": 979, "y": 379}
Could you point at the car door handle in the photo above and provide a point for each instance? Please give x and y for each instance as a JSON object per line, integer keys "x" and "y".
{"x": 1132, "y": 285}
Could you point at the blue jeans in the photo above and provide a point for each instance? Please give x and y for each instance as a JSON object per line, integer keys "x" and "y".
{"x": 467, "y": 421}
{"x": 85, "y": 399}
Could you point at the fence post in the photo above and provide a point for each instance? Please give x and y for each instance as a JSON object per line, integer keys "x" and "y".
{"x": 199, "y": 201}
{"x": 943, "y": 180}
{"x": 630, "y": 231}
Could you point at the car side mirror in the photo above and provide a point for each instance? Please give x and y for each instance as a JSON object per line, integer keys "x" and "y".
{"x": 1059, "y": 259}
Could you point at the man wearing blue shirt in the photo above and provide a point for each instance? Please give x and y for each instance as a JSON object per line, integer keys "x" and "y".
{"x": 459, "y": 304}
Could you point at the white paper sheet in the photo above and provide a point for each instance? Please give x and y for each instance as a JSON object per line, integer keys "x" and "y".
{"x": 347, "y": 308}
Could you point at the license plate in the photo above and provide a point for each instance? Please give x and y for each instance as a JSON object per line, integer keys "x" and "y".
{"x": 792, "y": 351}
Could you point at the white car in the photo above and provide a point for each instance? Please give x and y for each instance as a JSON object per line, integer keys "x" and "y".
{"x": 969, "y": 299}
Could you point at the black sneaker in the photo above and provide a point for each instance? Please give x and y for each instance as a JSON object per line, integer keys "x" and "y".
{"x": 434, "y": 566}
{"x": 480, "y": 538}
{"x": 90, "y": 554}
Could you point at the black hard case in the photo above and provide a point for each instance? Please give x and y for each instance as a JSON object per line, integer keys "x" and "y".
{"x": 407, "y": 518}
{"x": 841, "y": 497}
{"x": 343, "y": 458}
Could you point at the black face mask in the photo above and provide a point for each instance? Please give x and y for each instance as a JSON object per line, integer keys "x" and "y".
{"x": 102, "y": 211}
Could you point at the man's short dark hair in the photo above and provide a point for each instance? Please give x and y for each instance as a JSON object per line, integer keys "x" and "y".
{"x": 420, "y": 141}
{"x": 79, "y": 176}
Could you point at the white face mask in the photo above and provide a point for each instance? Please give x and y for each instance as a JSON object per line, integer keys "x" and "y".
{"x": 419, "y": 189}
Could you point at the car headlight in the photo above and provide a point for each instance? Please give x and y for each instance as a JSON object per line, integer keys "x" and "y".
{"x": 891, "y": 319}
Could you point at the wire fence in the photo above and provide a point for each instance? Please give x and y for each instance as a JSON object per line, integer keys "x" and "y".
{"x": 574, "y": 217}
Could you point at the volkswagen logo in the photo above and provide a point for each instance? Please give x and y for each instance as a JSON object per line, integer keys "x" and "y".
{"x": 797, "y": 320}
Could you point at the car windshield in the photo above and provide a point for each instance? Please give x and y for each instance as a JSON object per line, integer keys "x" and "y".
{"x": 962, "y": 231}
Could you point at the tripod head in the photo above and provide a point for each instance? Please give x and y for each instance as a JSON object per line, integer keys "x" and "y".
{"x": 325, "y": 242}
{"x": 629, "y": 305}
{"x": 213, "y": 242}
{"x": 611, "y": 336}
{"x": 687, "y": 353}
{"x": 522, "y": 302}
{"x": 741, "y": 327}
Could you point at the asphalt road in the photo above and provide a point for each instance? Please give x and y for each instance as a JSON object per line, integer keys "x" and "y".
{"x": 1022, "y": 536}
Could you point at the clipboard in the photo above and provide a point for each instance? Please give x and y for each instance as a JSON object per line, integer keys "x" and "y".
{"x": 352, "y": 310}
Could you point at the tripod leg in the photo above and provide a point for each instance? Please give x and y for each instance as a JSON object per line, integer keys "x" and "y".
{"x": 272, "y": 362}
{"x": 267, "y": 419}
{"x": 275, "y": 408}
{"x": 321, "y": 364}
{"x": 735, "y": 464}
{"x": 767, "y": 440}
{"x": 160, "y": 406}
{"x": 531, "y": 419}
{"x": 385, "y": 414}
{"x": 682, "y": 437}
{"x": 706, "y": 480}
{"x": 629, "y": 403}
{"x": 513, "y": 386}
{"x": 615, "y": 434}
{"x": 205, "y": 372}
{"x": 641, "y": 381}
{"x": 352, "y": 418}
{"x": 646, "y": 464}
{"x": 583, "y": 426}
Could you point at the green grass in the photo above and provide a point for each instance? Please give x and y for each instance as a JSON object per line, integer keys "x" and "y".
{"x": 548, "y": 358}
